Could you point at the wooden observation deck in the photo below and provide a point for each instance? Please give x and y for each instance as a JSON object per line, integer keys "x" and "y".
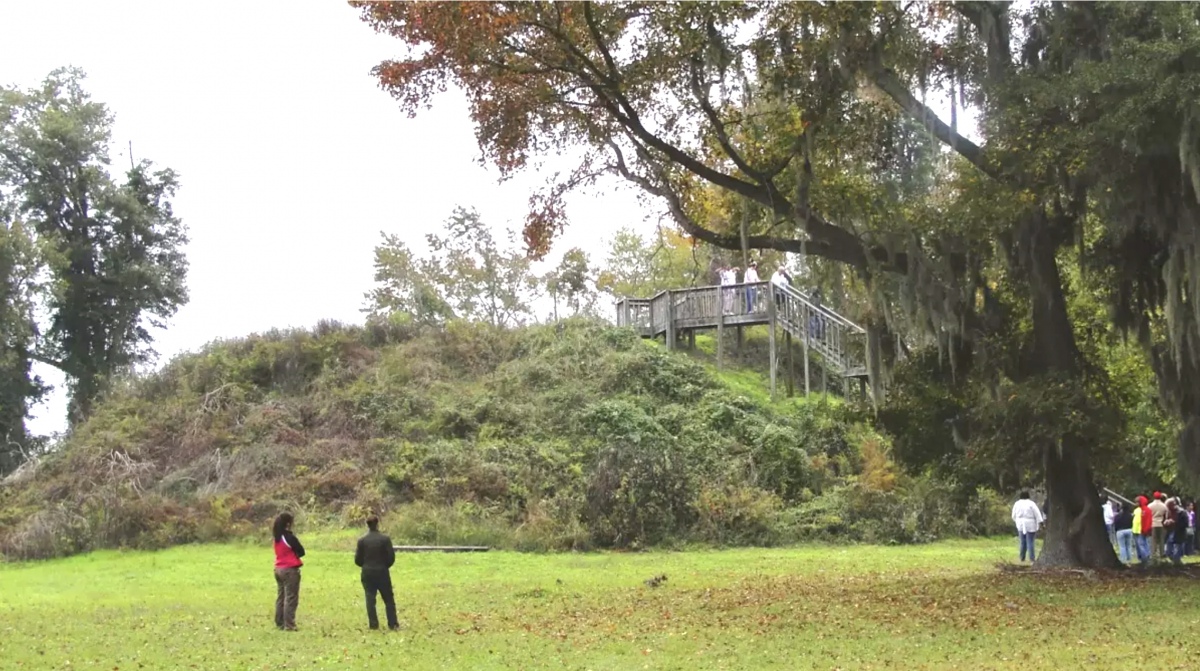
{"x": 829, "y": 340}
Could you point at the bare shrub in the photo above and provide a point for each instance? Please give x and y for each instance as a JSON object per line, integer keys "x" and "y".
{"x": 52, "y": 532}
{"x": 207, "y": 475}
{"x": 23, "y": 474}
{"x": 257, "y": 463}
{"x": 337, "y": 485}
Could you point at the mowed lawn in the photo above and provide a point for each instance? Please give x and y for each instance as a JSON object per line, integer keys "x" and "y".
{"x": 942, "y": 606}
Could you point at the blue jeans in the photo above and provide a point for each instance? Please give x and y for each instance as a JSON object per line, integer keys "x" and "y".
{"x": 750, "y": 291}
{"x": 1125, "y": 545}
{"x": 1143, "y": 548}
{"x": 1112, "y": 534}
{"x": 1027, "y": 543}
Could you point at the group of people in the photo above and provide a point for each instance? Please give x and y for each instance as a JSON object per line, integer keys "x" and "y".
{"x": 374, "y": 555}
{"x": 1159, "y": 527}
{"x": 728, "y": 277}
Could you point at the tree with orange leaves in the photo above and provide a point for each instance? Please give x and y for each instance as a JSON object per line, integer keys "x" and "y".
{"x": 811, "y": 121}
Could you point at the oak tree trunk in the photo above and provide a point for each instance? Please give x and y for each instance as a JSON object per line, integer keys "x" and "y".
{"x": 1075, "y": 531}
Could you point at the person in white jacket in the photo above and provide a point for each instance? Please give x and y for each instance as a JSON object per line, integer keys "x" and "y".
{"x": 780, "y": 280}
{"x": 728, "y": 278}
{"x": 1110, "y": 515}
{"x": 1028, "y": 518}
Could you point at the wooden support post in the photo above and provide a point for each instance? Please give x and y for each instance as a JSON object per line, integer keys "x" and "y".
{"x": 653, "y": 331}
{"x": 670, "y": 334}
{"x": 771, "y": 342}
{"x": 791, "y": 369}
{"x": 862, "y": 388}
{"x": 720, "y": 336}
{"x": 825, "y": 380}
{"x": 691, "y": 339}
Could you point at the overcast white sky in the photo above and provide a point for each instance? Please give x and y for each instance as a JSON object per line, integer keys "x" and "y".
{"x": 291, "y": 159}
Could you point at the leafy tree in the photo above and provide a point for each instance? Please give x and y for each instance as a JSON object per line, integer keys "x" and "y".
{"x": 817, "y": 114}
{"x": 406, "y": 285}
{"x": 639, "y": 267}
{"x": 466, "y": 276}
{"x": 572, "y": 280}
{"x": 19, "y": 388}
{"x": 111, "y": 251}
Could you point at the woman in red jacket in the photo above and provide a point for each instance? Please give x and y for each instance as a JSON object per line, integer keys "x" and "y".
{"x": 288, "y": 552}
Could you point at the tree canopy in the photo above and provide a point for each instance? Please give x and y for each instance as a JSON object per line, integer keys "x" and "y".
{"x": 812, "y": 124}
{"x": 466, "y": 275}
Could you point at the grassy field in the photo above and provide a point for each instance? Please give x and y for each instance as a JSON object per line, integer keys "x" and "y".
{"x": 941, "y": 606}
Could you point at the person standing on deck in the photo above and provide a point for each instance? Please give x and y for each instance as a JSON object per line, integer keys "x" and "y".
{"x": 728, "y": 277}
{"x": 750, "y": 277}
{"x": 1028, "y": 518}
{"x": 780, "y": 280}
{"x": 375, "y": 555}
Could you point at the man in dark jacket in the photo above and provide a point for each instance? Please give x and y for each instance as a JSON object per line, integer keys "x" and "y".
{"x": 375, "y": 555}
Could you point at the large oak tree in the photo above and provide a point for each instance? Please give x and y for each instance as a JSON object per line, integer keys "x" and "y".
{"x": 817, "y": 115}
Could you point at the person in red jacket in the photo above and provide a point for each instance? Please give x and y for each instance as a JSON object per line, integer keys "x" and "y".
{"x": 1147, "y": 523}
{"x": 288, "y": 552}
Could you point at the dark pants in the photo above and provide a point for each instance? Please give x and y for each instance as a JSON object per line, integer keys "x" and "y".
{"x": 288, "y": 582}
{"x": 1176, "y": 545}
{"x": 379, "y": 582}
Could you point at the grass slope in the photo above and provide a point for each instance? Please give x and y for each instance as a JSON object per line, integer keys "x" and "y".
{"x": 938, "y": 606}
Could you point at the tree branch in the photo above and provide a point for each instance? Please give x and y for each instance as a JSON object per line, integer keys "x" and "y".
{"x": 590, "y": 19}
{"x": 829, "y": 241}
{"x": 700, "y": 93}
{"x": 47, "y": 360}
{"x": 824, "y": 238}
{"x": 887, "y": 80}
